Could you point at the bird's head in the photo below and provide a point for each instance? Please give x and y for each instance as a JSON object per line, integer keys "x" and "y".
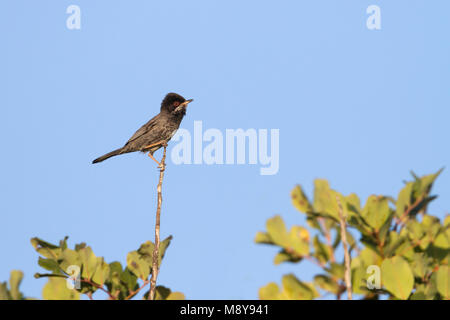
{"x": 175, "y": 104}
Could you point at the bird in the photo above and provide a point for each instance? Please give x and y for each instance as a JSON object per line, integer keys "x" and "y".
{"x": 157, "y": 132}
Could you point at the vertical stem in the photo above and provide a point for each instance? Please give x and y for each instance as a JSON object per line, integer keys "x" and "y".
{"x": 155, "y": 262}
{"x": 347, "y": 276}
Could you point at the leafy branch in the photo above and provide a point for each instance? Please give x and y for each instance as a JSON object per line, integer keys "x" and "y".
{"x": 91, "y": 273}
{"x": 412, "y": 261}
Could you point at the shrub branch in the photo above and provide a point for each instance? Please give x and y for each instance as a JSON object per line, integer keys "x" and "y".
{"x": 347, "y": 275}
{"x": 155, "y": 262}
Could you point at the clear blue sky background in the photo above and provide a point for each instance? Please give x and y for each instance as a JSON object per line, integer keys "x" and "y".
{"x": 358, "y": 107}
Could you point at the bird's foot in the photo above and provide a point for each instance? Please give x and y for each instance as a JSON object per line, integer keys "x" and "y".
{"x": 153, "y": 158}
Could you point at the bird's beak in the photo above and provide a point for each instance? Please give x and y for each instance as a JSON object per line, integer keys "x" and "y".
{"x": 187, "y": 102}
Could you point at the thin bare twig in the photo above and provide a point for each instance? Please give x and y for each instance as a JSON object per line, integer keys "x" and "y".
{"x": 98, "y": 287}
{"x": 155, "y": 264}
{"x": 135, "y": 292}
{"x": 404, "y": 217}
{"x": 347, "y": 275}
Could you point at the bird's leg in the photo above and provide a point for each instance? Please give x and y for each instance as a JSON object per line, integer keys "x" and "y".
{"x": 162, "y": 142}
{"x": 150, "y": 154}
{"x": 153, "y": 158}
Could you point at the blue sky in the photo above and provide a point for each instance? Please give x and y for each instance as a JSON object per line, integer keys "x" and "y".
{"x": 358, "y": 107}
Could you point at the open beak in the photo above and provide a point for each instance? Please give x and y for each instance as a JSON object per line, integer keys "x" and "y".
{"x": 187, "y": 102}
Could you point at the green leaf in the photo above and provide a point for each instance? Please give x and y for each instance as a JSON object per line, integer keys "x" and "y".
{"x": 277, "y": 231}
{"x": 49, "y": 264}
{"x": 359, "y": 278}
{"x": 63, "y": 243}
{"x": 336, "y": 269}
{"x": 88, "y": 261}
{"x": 425, "y": 183}
{"x": 395, "y": 241}
{"x": 129, "y": 279}
{"x": 269, "y": 292}
{"x": 443, "y": 281}
{"x": 296, "y": 289}
{"x": 161, "y": 293}
{"x": 406, "y": 250}
{"x": 418, "y": 295}
{"x": 397, "y": 277}
{"x": 176, "y": 296}
{"x": 70, "y": 258}
{"x": 138, "y": 265}
{"x": 115, "y": 267}
{"x": 415, "y": 230}
{"x": 353, "y": 204}
{"x": 15, "y": 279}
{"x": 284, "y": 256}
{"x": 326, "y": 283}
{"x": 46, "y": 249}
{"x": 442, "y": 240}
{"x": 323, "y": 202}
{"x": 431, "y": 288}
{"x": 113, "y": 282}
{"x": 376, "y": 211}
{"x": 419, "y": 265}
{"x": 80, "y": 246}
{"x": 439, "y": 249}
{"x": 428, "y": 221}
{"x": 321, "y": 251}
{"x": 101, "y": 273}
{"x": 311, "y": 219}
{"x": 404, "y": 199}
{"x": 299, "y": 240}
{"x": 56, "y": 289}
{"x": 163, "y": 247}
{"x": 262, "y": 237}
{"x": 4, "y": 292}
{"x": 447, "y": 220}
{"x": 300, "y": 200}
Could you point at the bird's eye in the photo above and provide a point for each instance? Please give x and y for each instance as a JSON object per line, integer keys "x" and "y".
{"x": 176, "y": 104}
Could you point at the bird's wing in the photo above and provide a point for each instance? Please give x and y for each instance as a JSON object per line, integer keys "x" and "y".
{"x": 144, "y": 129}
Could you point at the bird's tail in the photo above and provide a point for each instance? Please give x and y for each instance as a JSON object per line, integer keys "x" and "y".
{"x": 109, "y": 155}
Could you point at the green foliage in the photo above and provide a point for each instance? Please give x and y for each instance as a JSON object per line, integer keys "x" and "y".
{"x": 397, "y": 277}
{"x": 409, "y": 247}
{"x": 56, "y": 289}
{"x": 13, "y": 292}
{"x": 92, "y": 273}
{"x": 163, "y": 293}
{"x": 292, "y": 289}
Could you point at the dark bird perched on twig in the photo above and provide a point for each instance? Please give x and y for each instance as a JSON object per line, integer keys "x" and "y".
{"x": 158, "y": 131}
